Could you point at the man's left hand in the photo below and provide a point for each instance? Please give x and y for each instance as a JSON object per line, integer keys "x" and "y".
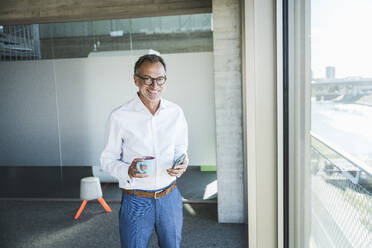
{"x": 178, "y": 170}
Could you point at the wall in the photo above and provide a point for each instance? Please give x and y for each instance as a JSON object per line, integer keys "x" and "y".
{"x": 54, "y": 111}
{"x": 228, "y": 95}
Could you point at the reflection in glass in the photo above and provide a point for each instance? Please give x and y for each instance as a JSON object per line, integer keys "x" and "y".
{"x": 165, "y": 34}
{"x": 19, "y": 42}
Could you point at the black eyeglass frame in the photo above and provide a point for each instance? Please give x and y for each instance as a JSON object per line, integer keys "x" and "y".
{"x": 145, "y": 78}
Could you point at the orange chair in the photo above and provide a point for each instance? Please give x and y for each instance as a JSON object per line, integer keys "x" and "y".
{"x": 90, "y": 189}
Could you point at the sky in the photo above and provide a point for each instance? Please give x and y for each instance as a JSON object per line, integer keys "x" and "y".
{"x": 341, "y": 36}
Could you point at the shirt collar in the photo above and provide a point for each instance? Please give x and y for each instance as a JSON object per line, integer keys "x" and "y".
{"x": 139, "y": 106}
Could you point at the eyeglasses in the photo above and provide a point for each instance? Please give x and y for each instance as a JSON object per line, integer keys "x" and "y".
{"x": 149, "y": 80}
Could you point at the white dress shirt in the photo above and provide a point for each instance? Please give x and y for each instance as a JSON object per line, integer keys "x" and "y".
{"x": 133, "y": 132}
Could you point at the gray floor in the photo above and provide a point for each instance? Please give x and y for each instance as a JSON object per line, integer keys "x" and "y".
{"x": 37, "y": 211}
{"x": 50, "y": 224}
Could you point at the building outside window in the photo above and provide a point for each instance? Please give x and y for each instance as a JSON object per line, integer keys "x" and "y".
{"x": 341, "y": 121}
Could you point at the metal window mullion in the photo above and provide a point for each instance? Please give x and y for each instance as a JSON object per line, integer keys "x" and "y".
{"x": 299, "y": 123}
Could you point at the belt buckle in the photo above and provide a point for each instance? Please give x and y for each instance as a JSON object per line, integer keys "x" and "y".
{"x": 159, "y": 191}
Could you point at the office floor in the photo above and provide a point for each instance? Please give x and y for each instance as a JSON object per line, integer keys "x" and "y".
{"x": 37, "y": 206}
{"x": 50, "y": 224}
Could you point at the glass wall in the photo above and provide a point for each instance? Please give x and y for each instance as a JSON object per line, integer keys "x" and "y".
{"x": 60, "y": 81}
{"x": 341, "y": 124}
{"x": 166, "y": 34}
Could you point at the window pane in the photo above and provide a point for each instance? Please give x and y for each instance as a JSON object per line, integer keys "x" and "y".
{"x": 341, "y": 123}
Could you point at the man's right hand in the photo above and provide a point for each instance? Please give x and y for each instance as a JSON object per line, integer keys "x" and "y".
{"x": 133, "y": 172}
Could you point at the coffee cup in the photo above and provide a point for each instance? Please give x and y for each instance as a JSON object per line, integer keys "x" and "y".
{"x": 149, "y": 162}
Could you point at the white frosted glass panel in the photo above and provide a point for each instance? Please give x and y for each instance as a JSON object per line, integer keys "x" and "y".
{"x": 89, "y": 89}
{"x": 28, "y": 126}
{"x": 191, "y": 85}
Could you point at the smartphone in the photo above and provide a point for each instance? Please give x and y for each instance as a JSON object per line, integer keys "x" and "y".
{"x": 179, "y": 160}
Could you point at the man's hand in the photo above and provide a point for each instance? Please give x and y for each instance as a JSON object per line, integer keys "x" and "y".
{"x": 133, "y": 172}
{"x": 178, "y": 170}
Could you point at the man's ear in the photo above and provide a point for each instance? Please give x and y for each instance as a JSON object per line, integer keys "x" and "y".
{"x": 135, "y": 79}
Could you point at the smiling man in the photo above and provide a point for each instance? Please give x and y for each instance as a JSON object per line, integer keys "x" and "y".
{"x": 148, "y": 127}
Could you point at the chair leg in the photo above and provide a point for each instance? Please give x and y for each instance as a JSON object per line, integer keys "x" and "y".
{"x": 80, "y": 209}
{"x": 104, "y": 204}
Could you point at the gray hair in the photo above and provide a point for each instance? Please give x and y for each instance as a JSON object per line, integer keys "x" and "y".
{"x": 152, "y": 58}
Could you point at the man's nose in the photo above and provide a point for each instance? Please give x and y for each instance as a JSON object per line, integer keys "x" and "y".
{"x": 154, "y": 84}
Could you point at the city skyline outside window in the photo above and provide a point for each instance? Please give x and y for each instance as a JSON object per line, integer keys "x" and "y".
{"x": 341, "y": 120}
{"x": 340, "y": 37}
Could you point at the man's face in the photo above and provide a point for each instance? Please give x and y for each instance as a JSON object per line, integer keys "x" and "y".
{"x": 151, "y": 93}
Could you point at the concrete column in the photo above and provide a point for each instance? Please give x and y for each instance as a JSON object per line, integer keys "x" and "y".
{"x": 228, "y": 100}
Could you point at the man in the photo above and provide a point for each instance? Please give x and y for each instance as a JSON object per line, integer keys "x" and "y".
{"x": 148, "y": 125}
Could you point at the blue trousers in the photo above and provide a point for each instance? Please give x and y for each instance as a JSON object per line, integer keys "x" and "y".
{"x": 138, "y": 216}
